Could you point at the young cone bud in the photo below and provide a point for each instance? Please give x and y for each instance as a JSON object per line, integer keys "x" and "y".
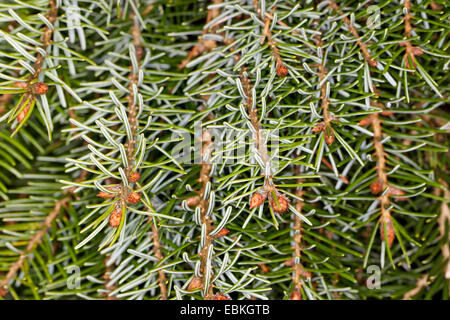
{"x": 193, "y": 201}
{"x": 134, "y": 176}
{"x": 373, "y": 63}
{"x": 103, "y": 194}
{"x": 220, "y": 296}
{"x": 282, "y": 70}
{"x": 296, "y": 295}
{"x": 39, "y": 88}
{"x": 393, "y": 191}
{"x": 319, "y": 127}
{"x": 133, "y": 197}
{"x": 257, "y": 199}
{"x": 329, "y": 137}
{"x": 375, "y": 187}
{"x": 115, "y": 217}
{"x": 23, "y": 113}
{"x": 282, "y": 205}
{"x": 365, "y": 122}
{"x": 264, "y": 268}
{"x": 390, "y": 230}
{"x": 222, "y": 233}
{"x": 196, "y": 283}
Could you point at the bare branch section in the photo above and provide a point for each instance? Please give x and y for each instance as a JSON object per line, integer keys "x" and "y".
{"x": 362, "y": 46}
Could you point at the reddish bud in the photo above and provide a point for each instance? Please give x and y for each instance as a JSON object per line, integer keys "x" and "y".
{"x": 39, "y": 88}
{"x": 196, "y": 283}
{"x": 282, "y": 205}
{"x": 134, "y": 176}
{"x": 23, "y": 113}
{"x": 193, "y": 201}
{"x": 3, "y": 292}
{"x": 393, "y": 191}
{"x": 319, "y": 127}
{"x": 416, "y": 51}
{"x": 390, "y": 230}
{"x": 373, "y": 63}
{"x": 115, "y": 217}
{"x": 329, "y": 137}
{"x": 386, "y": 113}
{"x": 220, "y": 296}
{"x": 257, "y": 199}
{"x": 375, "y": 187}
{"x": 305, "y": 274}
{"x": 296, "y": 295}
{"x": 20, "y": 84}
{"x": 264, "y": 268}
{"x": 103, "y": 194}
{"x": 289, "y": 263}
{"x": 365, "y": 122}
{"x": 222, "y": 233}
{"x": 282, "y": 70}
{"x": 133, "y": 197}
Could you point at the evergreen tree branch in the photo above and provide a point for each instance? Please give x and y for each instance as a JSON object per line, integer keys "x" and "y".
{"x": 205, "y": 218}
{"x": 355, "y": 34}
{"x": 36, "y": 239}
{"x": 158, "y": 254}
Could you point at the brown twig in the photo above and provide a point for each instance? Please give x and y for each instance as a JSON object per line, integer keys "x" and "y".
{"x": 362, "y": 46}
{"x": 325, "y": 125}
{"x": 203, "y": 44}
{"x": 421, "y": 283}
{"x": 411, "y": 51}
{"x": 382, "y": 178}
{"x": 159, "y": 255}
{"x": 204, "y": 204}
{"x": 297, "y": 242}
{"x": 281, "y": 68}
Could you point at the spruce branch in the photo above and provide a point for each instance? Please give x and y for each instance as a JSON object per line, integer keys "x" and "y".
{"x": 159, "y": 255}
{"x": 204, "y": 217}
{"x": 35, "y": 240}
{"x": 354, "y": 32}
